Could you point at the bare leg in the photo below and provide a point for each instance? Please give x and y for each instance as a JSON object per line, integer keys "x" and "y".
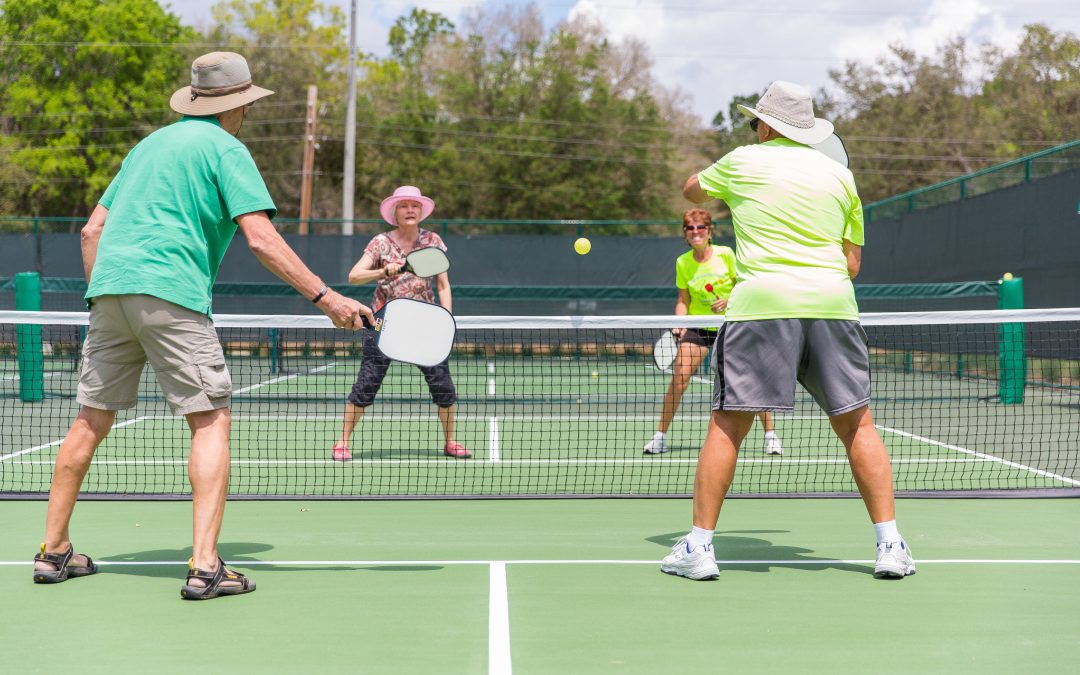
{"x": 208, "y": 471}
{"x": 766, "y": 419}
{"x": 869, "y": 461}
{"x": 687, "y": 361}
{"x": 446, "y": 418}
{"x": 353, "y": 413}
{"x": 716, "y": 464}
{"x": 90, "y": 427}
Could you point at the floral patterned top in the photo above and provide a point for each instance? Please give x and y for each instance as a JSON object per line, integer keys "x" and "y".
{"x": 384, "y": 250}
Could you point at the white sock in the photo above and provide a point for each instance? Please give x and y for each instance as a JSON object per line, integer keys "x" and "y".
{"x": 659, "y": 435}
{"x": 887, "y": 533}
{"x": 769, "y": 435}
{"x": 699, "y": 537}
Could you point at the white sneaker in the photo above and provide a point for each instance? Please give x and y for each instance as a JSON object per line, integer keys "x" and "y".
{"x": 894, "y": 561}
{"x": 773, "y": 446}
{"x": 698, "y": 564}
{"x": 657, "y": 445}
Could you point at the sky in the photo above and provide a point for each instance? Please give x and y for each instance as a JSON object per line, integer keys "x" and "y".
{"x": 713, "y": 50}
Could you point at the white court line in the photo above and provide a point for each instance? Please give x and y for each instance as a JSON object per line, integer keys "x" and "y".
{"x": 983, "y": 456}
{"x": 49, "y": 445}
{"x": 493, "y": 440}
{"x": 420, "y": 563}
{"x": 498, "y": 620}
{"x": 615, "y": 461}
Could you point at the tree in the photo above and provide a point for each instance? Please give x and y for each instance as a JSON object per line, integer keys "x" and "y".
{"x": 82, "y": 81}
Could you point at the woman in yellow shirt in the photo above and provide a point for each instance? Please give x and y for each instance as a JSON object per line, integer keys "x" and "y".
{"x": 704, "y": 276}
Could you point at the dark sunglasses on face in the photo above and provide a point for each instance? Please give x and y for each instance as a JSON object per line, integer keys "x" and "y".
{"x": 694, "y": 228}
{"x": 753, "y": 124}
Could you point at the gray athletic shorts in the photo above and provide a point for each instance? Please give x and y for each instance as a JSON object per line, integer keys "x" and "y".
{"x": 758, "y": 362}
{"x": 127, "y": 331}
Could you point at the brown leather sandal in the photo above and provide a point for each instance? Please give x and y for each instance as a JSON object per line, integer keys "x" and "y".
{"x": 64, "y": 569}
{"x": 214, "y": 581}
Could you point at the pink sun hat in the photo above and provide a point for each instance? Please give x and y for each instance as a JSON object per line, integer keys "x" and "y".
{"x": 405, "y": 193}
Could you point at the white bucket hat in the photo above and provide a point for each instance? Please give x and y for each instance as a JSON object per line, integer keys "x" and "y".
{"x": 405, "y": 193}
{"x": 220, "y": 81}
{"x": 787, "y": 107}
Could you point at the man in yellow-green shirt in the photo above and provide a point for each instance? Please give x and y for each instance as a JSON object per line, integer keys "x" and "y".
{"x": 791, "y": 317}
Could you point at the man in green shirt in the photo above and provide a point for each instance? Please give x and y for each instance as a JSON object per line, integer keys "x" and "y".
{"x": 151, "y": 251}
{"x": 791, "y": 316}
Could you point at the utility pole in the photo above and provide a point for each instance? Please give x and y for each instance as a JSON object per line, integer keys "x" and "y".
{"x": 307, "y": 174}
{"x": 349, "y": 186}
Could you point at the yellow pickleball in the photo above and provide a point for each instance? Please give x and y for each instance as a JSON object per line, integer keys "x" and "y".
{"x": 582, "y": 246}
{"x": 1007, "y": 276}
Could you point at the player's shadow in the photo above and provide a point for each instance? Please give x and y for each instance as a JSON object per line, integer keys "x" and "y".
{"x": 234, "y": 553}
{"x": 732, "y": 547}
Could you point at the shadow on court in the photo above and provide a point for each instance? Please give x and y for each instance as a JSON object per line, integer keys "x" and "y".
{"x": 732, "y": 547}
{"x": 234, "y": 553}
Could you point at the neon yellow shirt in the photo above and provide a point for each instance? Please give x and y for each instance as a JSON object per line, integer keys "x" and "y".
{"x": 792, "y": 208}
{"x": 716, "y": 273}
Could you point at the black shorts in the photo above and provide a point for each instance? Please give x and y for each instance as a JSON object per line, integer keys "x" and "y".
{"x": 373, "y": 369}
{"x": 704, "y": 337}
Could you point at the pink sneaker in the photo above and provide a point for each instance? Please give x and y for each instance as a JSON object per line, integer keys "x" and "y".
{"x": 456, "y": 450}
{"x": 341, "y": 453}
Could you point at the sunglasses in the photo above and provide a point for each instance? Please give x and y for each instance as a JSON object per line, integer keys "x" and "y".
{"x": 694, "y": 228}
{"x": 753, "y": 124}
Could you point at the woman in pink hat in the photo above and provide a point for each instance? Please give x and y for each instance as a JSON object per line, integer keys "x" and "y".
{"x": 382, "y": 263}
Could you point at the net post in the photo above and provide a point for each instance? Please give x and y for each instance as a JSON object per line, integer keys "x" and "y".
{"x": 1012, "y": 365}
{"x": 275, "y": 365}
{"x": 31, "y": 355}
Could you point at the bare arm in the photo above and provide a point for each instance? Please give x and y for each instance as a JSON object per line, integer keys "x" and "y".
{"x": 693, "y": 192}
{"x": 853, "y": 253}
{"x": 276, "y": 256}
{"x": 364, "y": 271}
{"x": 682, "y": 308}
{"x": 90, "y": 236}
{"x": 442, "y": 284}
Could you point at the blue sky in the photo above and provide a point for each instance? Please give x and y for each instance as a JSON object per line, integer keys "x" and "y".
{"x": 712, "y": 50}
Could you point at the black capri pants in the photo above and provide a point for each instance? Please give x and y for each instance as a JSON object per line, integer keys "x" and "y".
{"x": 373, "y": 369}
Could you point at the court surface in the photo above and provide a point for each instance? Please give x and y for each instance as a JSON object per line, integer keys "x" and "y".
{"x": 552, "y": 586}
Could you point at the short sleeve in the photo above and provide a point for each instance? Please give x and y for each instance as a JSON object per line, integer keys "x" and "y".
{"x": 716, "y": 179}
{"x": 681, "y": 278}
{"x": 728, "y": 256}
{"x": 242, "y": 188}
{"x": 110, "y": 192}
{"x": 853, "y": 220}
{"x": 376, "y": 249}
{"x": 437, "y": 241}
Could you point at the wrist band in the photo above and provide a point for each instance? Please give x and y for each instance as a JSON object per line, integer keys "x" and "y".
{"x": 323, "y": 292}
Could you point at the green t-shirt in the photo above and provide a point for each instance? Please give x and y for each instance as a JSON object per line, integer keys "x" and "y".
{"x": 792, "y": 208}
{"x": 718, "y": 273}
{"x": 172, "y": 211}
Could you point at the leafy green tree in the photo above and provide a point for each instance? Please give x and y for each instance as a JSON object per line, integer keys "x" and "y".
{"x": 83, "y": 80}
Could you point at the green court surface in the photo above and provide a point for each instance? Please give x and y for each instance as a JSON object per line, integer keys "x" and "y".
{"x": 543, "y": 586}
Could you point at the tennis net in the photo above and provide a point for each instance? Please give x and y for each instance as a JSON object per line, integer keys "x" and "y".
{"x": 968, "y": 403}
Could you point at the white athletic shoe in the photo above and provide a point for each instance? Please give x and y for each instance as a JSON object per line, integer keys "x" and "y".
{"x": 657, "y": 445}
{"x": 894, "y": 561}
{"x": 698, "y": 564}
{"x": 773, "y": 446}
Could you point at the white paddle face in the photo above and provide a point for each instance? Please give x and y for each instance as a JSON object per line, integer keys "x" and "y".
{"x": 415, "y": 332}
{"x": 427, "y": 262}
{"x": 833, "y": 148}
{"x": 664, "y": 351}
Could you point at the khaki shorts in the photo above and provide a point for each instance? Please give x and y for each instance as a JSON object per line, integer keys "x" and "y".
{"x": 182, "y": 346}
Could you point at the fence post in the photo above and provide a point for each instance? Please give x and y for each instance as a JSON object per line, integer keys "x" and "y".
{"x": 1012, "y": 362}
{"x": 31, "y": 356}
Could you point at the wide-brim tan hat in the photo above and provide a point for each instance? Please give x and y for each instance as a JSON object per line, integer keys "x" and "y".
{"x": 220, "y": 81}
{"x": 406, "y": 193}
{"x": 788, "y": 108}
